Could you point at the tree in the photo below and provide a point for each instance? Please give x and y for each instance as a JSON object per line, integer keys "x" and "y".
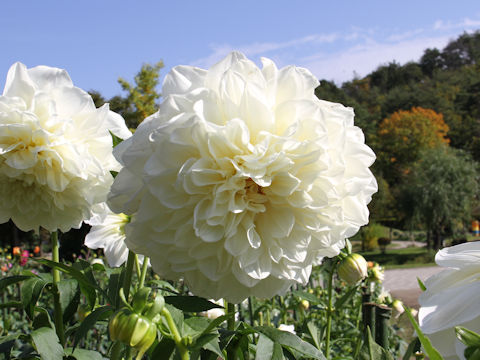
{"x": 440, "y": 192}
{"x": 404, "y": 134}
{"x": 142, "y": 98}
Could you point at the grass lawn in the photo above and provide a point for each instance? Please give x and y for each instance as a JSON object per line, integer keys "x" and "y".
{"x": 399, "y": 258}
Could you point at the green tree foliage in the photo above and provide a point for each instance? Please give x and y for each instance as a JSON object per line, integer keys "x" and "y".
{"x": 440, "y": 192}
{"x": 142, "y": 98}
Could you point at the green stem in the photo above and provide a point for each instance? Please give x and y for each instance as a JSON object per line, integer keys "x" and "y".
{"x": 250, "y": 311}
{"x": 143, "y": 274}
{"x": 184, "y": 355}
{"x": 57, "y": 308}
{"x": 127, "y": 281}
{"x": 231, "y": 319}
{"x": 138, "y": 271}
{"x": 230, "y": 309}
{"x": 329, "y": 310}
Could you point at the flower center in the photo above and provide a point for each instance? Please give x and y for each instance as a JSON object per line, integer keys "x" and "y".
{"x": 254, "y": 196}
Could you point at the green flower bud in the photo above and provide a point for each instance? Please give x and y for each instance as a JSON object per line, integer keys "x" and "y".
{"x": 352, "y": 268}
{"x": 133, "y": 329}
{"x": 140, "y": 299}
{"x": 153, "y": 310}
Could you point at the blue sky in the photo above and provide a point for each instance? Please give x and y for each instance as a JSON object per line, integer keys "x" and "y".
{"x": 98, "y": 41}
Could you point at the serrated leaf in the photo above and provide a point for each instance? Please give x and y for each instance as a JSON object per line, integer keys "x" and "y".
{"x": 47, "y": 344}
{"x": 292, "y": 341}
{"x": 82, "y": 354}
{"x": 191, "y": 303}
{"x": 30, "y": 292}
{"x": 100, "y": 313}
{"x": 432, "y": 353}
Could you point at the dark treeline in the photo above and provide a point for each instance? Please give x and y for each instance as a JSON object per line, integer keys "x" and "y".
{"x": 410, "y": 114}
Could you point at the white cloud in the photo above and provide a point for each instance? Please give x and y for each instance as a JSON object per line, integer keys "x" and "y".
{"x": 361, "y": 60}
{"x": 341, "y": 56}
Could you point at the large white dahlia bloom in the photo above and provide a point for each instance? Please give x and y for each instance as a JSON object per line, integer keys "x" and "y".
{"x": 55, "y": 150}
{"x": 452, "y": 299}
{"x": 242, "y": 179}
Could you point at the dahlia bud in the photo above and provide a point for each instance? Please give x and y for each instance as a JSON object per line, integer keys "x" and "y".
{"x": 352, "y": 268}
{"x": 376, "y": 273}
{"x": 305, "y": 304}
{"x": 133, "y": 329}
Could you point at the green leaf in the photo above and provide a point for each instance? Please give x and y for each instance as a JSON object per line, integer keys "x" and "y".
{"x": 421, "y": 284}
{"x": 312, "y": 299}
{"x": 12, "y": 304}
{"x": 214, "y": 323}
{"x": 264, "y": 348}
{"x": 373, "y": 351}
{"x": 313, "y": 331}
{"x": 347, "y": 296}
{"x": 82, "y": 279}
{"x": 191, "y": 303}
{"x": 69, "y": 297}
{"x": 100, "y": 313}
{"x": 467, "y": 337}
{"x": 412, "y": 348}
{"x": 115, "y": 283}
{"x": 115, "y": 139}
{"x": 42, "y": 319}
{"x": 30, "y": 292}
{"x": 13, "y": 280}
{"x": 195, "y": 326}
{"x": 292, "y": 341}
{"x": 81, "y": 354}
{"x": 6, "y": 344}
{"x": 432, "y": 353}
{"x": 164, "y": 349}
{"x": 47, "y": 344}
{"x": 90, "y": 294}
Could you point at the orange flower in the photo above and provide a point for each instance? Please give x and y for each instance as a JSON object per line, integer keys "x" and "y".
{"x": 36, "y": 250}
{"x": 4, "y": 268}
{"x": 16, "y": 251}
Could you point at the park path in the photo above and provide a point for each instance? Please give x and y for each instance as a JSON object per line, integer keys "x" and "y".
{"x": 402, "y": 283}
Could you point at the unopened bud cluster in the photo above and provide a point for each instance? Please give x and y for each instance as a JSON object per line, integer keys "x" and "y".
{"x": 137, "y": 326}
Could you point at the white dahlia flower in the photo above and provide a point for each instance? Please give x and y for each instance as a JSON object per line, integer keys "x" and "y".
{"x": 242, "y": 179}
{"x": 108, "y": 233}
{"x": 452, "y": 299}
{"x": 55, "y": 150}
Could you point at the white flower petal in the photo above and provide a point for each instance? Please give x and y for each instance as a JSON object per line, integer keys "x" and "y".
{"x": 55, "y": 150}
{"x": 242, "y": 179}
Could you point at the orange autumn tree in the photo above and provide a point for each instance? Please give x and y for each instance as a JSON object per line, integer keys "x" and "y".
{"x": 405, "y": 133}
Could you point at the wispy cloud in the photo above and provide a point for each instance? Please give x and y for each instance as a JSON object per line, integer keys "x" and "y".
{"x": 340, "y": 56}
